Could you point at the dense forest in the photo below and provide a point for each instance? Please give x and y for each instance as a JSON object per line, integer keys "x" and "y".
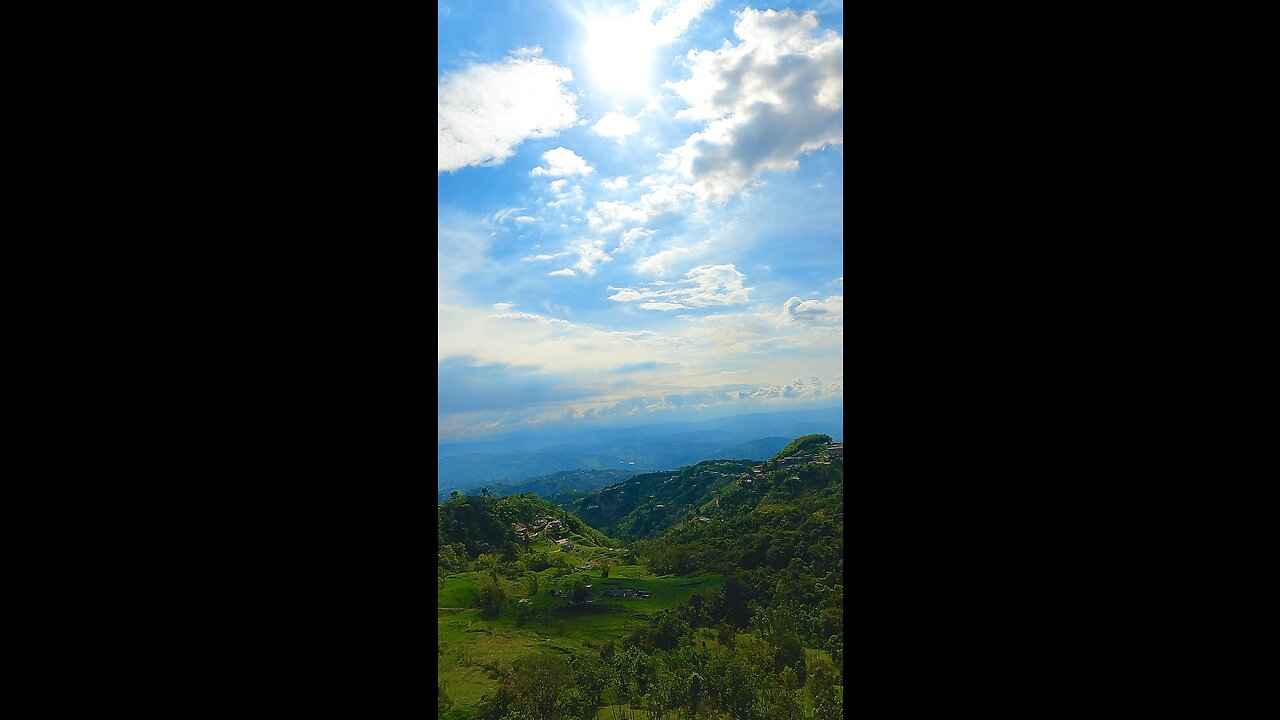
{"x": 745, "y": 563}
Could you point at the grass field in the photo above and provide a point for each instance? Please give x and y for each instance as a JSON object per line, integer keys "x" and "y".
{"x": 473, "y": 647}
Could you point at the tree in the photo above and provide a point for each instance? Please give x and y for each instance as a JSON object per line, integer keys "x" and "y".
{"x": 488, "y": 561}
{"x": 539, "y": 686}
{"x": 484, "y": 492}
{"x": 789, "y": 655}
{"x": 454, "y": 495}
{"x": 577, "y": 592}
{"x": 726, "y": 636}
{"x": 695, "y": 693}
{"x": 492, "y": 599}
{"x": 735, "y": 601}
{"x": 604, "y": 568}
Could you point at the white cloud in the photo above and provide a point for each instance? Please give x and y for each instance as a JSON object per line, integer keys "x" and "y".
{"x": 775, "y": 95}
{"x": 590, "y": 254}
{"x": 503, "y": 306}
{"x": 557, "y": 186}
{"x": 572, "y": 195}
{"x": 616, "y": 125}
{"x": 618, "y": 183}
{"x": 660, "y": 263}
{"x": 501, "y": 216}
{"x": 562, "y": 161}
{"x": 703, "y": 286}
{"x": 609, "y": 215}
{"x": 531, "y": 317}
{"x": 484, "y": 111}
{"x": 673, "y": 23}
{"x": 661, "y": 306}
{"x": 830, "y": 310}
{"x": 662, "y": 200}
{"x": 564, "y": 271}
{"x": 544, "y": 257}
{"x": 633, "y": 236}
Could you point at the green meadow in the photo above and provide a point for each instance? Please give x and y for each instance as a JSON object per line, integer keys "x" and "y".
{"x": 473, "y": 649}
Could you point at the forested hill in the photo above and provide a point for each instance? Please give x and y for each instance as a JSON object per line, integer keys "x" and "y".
{"x": 728, "y": 606}
{"x": 790, "y": 508}
{"x": 647, "y": 505}
{"x": 469, "y": 526}
{"x": 546, "y": 486}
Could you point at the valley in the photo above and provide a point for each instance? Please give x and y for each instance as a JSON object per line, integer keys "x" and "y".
{"x": 716, "y": 589}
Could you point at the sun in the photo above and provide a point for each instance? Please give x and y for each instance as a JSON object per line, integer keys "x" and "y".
{"x": 619, "y": 51}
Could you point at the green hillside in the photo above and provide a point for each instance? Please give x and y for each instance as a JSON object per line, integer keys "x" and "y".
{"x": 743, "y": 571}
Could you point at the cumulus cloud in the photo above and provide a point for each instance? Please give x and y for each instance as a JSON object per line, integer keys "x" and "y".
{"x": 830, "y": 310}
{"x": 610, "y": 215}
{"x": 590, "y": 254}
{"x": 775, "y": 95}
{"x": 794, "y": 389}
{"x": 660, "y": 263}
{"x": 562, "y": 161}
{"x": 673, "y": 23}
{"x": 485, "y": 110}
{"x": 616, "y": 125}
{"x": 562, "y": 271}
{"x": 618, "y": 183}
{"x": 703, "y": 286}
{"x": 564, "y": 196}
{"x": 661, "y": 200}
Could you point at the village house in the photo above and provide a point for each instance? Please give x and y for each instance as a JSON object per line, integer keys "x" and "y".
{"x": 702, "y": 518}
{"x": 618, "y": 592}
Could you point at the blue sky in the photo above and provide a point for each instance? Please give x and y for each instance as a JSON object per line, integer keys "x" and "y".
{"x": 640, "y": 211}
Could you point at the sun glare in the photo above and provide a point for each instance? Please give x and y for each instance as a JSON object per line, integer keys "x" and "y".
{"x": 619, "y": 52}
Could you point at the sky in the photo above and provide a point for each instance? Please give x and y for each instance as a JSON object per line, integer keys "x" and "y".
{"x": 640, "y": 212}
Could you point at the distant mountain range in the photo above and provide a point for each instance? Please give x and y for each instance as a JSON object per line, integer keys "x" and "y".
{"x": 644, "y": 448}
{"x": 547, "y": 486}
